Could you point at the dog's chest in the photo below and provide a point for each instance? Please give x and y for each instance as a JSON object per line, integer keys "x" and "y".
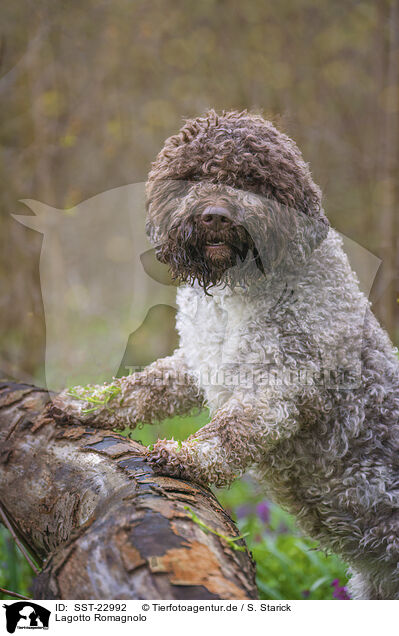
{"x": 212, "y": 331}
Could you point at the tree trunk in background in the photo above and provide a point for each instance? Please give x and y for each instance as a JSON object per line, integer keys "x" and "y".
{"x": 87, "y": 506}
{"x": 387, "y": 291}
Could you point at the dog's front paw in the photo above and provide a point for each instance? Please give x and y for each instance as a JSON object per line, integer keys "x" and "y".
{"x": 168, "y": 458}
{"x": 67, "y": 409}
{"x": 92, "y": 405}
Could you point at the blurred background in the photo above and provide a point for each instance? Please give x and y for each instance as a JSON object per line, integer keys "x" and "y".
{"x": 89, "y": 90}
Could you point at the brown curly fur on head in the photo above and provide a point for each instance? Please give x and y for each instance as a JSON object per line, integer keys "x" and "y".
{"x": 259, "y": 172}
{"x": 242, "y": 150}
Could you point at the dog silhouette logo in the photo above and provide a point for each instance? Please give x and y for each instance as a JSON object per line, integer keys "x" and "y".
{"x": 26, "y": 615}
{"x": 99, "y": 279}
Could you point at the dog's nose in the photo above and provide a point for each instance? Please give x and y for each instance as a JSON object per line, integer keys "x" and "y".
{"x": 215, "y": 218}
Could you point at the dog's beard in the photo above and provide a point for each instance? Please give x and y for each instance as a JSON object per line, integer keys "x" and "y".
{"x": 263, "y": 239}
{"x": 208, "y": 257}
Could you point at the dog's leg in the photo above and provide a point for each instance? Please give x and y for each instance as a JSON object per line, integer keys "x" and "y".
{"x": 374, "y": 587}
{"x": 360, "y": 587}
{"x": 236, "y": 437}
{"x": 164, "y": 388}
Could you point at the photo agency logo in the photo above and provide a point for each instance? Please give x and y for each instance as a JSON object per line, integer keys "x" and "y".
{"x": 99, "y": 280}
{"x": 26, "y": 615}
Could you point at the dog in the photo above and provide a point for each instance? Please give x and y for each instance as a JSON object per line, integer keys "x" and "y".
{"x": 276, "y": 338}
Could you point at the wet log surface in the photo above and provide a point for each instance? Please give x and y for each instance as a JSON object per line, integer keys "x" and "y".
{"x": 103, "y": 526}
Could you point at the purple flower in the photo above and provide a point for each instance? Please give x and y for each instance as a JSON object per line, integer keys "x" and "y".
{"x": 243, "y": 511}
{"x": 263, "y": 511}
{"x": 305, "y": 593}
{"x": 282, "y": 529}
{"x": 340, "y": 592}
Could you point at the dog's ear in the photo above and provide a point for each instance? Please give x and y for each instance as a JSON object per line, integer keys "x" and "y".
{"x": 310, "y": 232}
{"x": 284, "y": 238}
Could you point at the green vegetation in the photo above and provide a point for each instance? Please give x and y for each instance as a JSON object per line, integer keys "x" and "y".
{"x": 97, "y": 396}
{"x": 230, "y": 540}
{"x": 288, "y": 565}
{"x": 15, "y": 573}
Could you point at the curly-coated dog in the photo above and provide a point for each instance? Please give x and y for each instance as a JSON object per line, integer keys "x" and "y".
{"x": 276, "y": 339}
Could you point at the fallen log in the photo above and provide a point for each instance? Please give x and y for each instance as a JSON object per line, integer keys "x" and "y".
{"x": 91, "y": 512}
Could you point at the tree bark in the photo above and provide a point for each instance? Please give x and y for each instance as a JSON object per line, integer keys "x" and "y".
{"x": 89, "y": 509}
